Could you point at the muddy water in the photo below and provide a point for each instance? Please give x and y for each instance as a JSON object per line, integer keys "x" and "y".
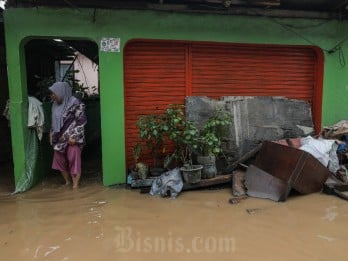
{"x": 53, "y": 222}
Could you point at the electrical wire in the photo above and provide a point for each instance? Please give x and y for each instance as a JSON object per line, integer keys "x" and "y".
{"x": 291, "y": 28}
{"x": 294, "y": 32}
{"x": 337, "y": 47}
{"x": 307, "y": 26}
{"x": 72, "y": 5}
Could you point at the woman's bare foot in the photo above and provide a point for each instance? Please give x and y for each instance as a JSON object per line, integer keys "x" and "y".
{"x": 66, "y": 177}
{"x": 76, "y": 179}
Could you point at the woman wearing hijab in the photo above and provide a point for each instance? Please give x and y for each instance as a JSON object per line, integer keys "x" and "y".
{"x": 67, "y": 132}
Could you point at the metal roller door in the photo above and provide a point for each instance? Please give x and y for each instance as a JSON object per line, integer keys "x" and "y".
{"x": 158, "y": 73}
{"x": 154, "y": 77}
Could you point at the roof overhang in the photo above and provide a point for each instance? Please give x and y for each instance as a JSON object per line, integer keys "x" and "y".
{"x": 321, "y": 9}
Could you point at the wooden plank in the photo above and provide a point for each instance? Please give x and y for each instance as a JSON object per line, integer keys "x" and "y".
{"x": 244, "y": 158}
{"x": 204, "y": 183}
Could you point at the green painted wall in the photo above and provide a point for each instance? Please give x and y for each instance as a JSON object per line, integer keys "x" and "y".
{"x": 24, "y": 24}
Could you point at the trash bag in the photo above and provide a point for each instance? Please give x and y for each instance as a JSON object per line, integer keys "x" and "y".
{"x": 27, "y": 180}
{"x": 168, "y": 184}
{"x": 334, "y": 164}
{"x": 319, "y": 148}
{"x": 336, "y": 131}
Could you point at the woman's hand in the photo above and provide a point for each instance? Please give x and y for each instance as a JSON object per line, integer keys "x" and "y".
{"x": 72, "y": 141}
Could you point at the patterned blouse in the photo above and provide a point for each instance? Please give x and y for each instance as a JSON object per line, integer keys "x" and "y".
{"x": 73, "y": 127}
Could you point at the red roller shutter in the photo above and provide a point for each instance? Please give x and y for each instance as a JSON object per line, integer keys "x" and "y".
{"x": 253, "y": 71}
{"x": 158, "y": 73}
{"x": 155, "y": 76}
{"x": 258, "y": 70}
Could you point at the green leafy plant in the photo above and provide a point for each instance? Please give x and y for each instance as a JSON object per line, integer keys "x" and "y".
{"x": 212, "y": 133}
{"x": 137, "y": 152}
{"x": 183, "y": 133}
{"x": 42, "y": 86}
{"x": 152, "y": 131}
{"x": 158, "y": 130}
{"x": 78, "y": 88}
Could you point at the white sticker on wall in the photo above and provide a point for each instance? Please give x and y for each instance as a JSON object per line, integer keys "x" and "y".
{"x": 110, "y": 44}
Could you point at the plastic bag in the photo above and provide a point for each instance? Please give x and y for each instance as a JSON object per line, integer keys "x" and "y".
{"x": 319, "y": 148}
{"x": 168, "y": 184}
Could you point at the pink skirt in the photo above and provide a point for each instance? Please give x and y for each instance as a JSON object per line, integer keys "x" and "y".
{"x": 68, "y": 161}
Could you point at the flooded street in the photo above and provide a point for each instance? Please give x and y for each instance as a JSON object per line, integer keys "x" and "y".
{"x": 53, "y": 222}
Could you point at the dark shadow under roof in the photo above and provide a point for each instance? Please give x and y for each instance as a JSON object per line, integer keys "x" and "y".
{"x": 326, "y": 9}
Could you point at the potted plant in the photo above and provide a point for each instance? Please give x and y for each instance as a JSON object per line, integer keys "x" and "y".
{"x": 191, "y": 173}
{"x": 140, "y": 169}
{"x": 209, "y": 145}
{"x": 185, "y": 136}
{"x": 157, "y": 130}
{"x": 152, "y": 131}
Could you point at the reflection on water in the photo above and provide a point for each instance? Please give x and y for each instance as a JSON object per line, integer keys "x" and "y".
{"x": 54, "y": 222}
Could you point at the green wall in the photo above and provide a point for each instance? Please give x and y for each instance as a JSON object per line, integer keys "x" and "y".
{"x": 22, "y": 25}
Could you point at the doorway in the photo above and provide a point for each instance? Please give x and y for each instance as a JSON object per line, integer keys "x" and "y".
{"x": 76, "y": 62}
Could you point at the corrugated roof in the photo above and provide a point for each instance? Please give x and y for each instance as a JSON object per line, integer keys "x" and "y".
{"x": 283, "y": 8}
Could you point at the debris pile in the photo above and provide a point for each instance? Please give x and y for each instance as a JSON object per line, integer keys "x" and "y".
{"x": 269, "y": 150}
{"x": 279, "y": 168}
{"x": 305, "y": 164}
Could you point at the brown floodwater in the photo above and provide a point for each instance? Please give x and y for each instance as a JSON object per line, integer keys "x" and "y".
{"x": 53, "y": 222}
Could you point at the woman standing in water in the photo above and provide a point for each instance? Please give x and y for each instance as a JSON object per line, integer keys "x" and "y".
{"x": 67, "y": 132}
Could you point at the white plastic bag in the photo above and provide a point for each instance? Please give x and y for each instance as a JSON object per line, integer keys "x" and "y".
{"x": 170, "y": 183}
{"x": 319, "y": 148}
